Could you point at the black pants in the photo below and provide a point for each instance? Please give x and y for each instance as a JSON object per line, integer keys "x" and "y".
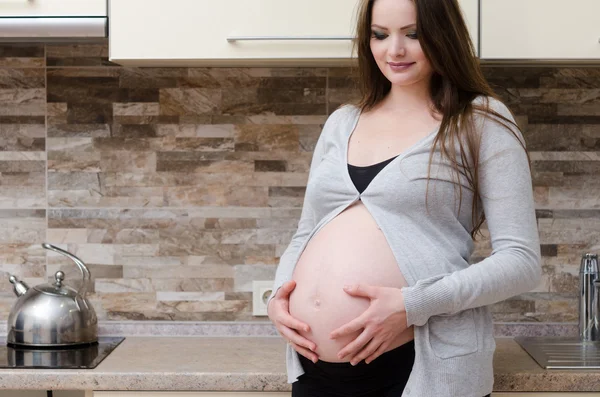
{"x": 386, "y": 376}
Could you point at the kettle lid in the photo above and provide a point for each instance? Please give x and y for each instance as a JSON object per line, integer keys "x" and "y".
{"x": 57, "y": 288}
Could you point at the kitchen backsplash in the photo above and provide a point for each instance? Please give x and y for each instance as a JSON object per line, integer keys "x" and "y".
{"x": 180, "y": 186}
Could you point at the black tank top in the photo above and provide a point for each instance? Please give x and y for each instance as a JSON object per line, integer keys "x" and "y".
{"x": 362, "y": 176}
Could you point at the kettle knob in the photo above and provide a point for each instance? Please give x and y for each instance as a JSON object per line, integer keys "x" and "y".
{"x": 19, "y": 287}
{"x": 59, "y": 277}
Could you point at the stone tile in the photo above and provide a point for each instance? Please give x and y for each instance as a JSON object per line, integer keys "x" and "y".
{"x": 135, "y": 109}
{"x": 270, "y": 166}
{"x": 23, "y": 78}
{"x": 279, "y": 102}
{"x": 22, "y": 102}
{"x": 161, "y": 271}
{"x": 572, "y": 77}
{"x": 519, "y": 77}
{"x": 22, "y": 226}
{"x": 245, "y": 274}
{"x": 568, "y": 167}
{"x": 24, "y": 260}
{"x": 79, "y": 130}
{"x": 18, "y": 55}
{"x": 190, "y": 101}
{"x": 255, "y": 77}
{"x": 151, "y": 77}
{"x": 78, "y": 55}
{"x": 168, "y": 296}
{"x": 196, "y": 130}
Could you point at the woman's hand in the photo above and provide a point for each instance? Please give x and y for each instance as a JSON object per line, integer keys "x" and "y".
{"x": 383, "y": 322}
{"x": 279, "y": 313}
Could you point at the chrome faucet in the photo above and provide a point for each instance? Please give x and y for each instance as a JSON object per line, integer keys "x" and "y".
{"x": 589, "y": 298}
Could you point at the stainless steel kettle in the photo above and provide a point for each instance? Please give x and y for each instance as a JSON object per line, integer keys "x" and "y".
{"x": 52, "y": 315}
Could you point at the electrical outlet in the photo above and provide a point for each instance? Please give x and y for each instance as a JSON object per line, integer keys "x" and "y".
{"x": 261, "y": 290}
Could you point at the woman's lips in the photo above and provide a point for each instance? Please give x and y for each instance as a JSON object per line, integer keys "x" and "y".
{"x": 399, "y": 66}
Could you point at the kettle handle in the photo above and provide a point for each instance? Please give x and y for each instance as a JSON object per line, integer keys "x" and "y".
{"x": 84, "y": 270}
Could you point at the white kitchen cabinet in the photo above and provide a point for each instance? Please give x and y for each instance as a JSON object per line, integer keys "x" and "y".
{"x": 470, "y": 10}
{"x": 540, "y": 29}
{"x": 187, "y": 394}
{"x": 52, "y": 8}
{"x": 208, "y": 32}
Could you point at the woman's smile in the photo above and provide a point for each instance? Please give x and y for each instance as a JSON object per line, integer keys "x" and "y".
{"x": 400, "y": 66}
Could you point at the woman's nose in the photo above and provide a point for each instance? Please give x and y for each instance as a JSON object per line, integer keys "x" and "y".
{"x": 397, "y": 47}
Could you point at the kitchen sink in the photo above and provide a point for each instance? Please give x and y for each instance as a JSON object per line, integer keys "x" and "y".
{"x": 552, "y": 352}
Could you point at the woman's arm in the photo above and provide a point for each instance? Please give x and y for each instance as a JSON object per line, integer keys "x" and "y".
{"x": 514, "y": 265}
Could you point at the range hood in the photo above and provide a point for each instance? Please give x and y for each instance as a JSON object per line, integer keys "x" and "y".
{"x": 53, "y": 20}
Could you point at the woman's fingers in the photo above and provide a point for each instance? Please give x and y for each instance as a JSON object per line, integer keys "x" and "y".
{"x": 285, "y": 290}
{"x": 355, "y": 325}
{"x": 365, "y": 352}
{"x": 291, "y": 322}
{"x": 300, "y": 344}
{"x": 292, "y": 336}
{"x": 305, "y": 352}
{"x": 377, "y": 353}
{"x": 356, "y": 345}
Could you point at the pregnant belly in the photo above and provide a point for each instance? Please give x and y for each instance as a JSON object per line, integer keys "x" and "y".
{"x": 350, "y": 249}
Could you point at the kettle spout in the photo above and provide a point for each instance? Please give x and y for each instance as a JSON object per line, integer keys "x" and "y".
{"x": 19, "y": 287}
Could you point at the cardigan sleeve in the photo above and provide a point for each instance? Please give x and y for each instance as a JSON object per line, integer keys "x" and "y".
{"x": 514, "y": 266}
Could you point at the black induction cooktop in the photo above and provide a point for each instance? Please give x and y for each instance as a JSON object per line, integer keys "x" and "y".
{"x": 80, "y": 357}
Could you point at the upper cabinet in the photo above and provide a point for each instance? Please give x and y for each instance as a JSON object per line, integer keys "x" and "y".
{"x": 52, "y": 8}
{"x": 238, "y": 32}
{"x": 223, "y": 32}
{"x": 470, "y": 10}
{"x": 540, "y": 29}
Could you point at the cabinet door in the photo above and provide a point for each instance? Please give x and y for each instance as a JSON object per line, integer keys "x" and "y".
{"x": 236, "y": 32}
{"x": 187, "y": 394}
{"x": 540, "y": 29}
{"x": 470, "y": 9}
{"x": 63, "y": 8}
{"x": 197, "y": 31}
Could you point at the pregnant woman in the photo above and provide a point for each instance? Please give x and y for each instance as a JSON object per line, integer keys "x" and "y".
{"x": 375, "y": 294}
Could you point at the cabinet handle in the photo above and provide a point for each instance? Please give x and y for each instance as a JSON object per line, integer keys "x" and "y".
{"x": 55, "y": 28}
{"x": 256, "y": 38}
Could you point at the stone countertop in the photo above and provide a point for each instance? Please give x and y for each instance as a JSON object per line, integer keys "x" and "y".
{"x": 250, "y": 364}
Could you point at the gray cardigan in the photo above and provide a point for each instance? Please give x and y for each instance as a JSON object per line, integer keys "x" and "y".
{"x": 446, "y": 298}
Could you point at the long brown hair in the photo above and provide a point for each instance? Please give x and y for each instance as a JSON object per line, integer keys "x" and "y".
{"x": 456, "y": 81}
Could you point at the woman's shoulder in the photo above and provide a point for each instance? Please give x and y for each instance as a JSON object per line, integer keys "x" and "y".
{"x": 486, "y": 110}
{"x": 341, "y": 118}
{"x": 492, "y": 103}
{"x": 344, "y": 111}
{"x": 497, "y": 134}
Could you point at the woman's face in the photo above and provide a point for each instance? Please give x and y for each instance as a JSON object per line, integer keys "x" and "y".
{"x": 395, "y": 45}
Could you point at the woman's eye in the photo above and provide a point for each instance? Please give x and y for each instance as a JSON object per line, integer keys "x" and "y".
{"x": 379, "y": 36}
{"x": 412, "y": 35}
